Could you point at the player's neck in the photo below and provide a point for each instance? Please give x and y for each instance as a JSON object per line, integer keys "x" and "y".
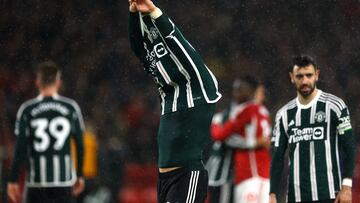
{"x": 48, "y": 91}
{"x": 308, "y": 99}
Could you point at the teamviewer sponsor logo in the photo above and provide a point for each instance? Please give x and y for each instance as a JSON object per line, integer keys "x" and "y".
{"x": 306, "y": 134}
{"x": 160, "y": 50}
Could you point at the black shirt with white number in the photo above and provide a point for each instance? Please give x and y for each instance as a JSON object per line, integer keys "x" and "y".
{"x": 44, "y": 128}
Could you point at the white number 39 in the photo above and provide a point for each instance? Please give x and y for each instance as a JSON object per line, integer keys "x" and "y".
{"x": 59, "y": 128}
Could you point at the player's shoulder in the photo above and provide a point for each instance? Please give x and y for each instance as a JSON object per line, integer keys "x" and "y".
{"x": 67, "y": 101}
{"x": 332, "y": 99}
{"x": 27, "y": 105}
{"x": 256, "y": 107}
{"x": 290, "y": 105}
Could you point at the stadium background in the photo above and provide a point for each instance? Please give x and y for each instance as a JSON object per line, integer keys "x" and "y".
{"x": 88, "y": 39}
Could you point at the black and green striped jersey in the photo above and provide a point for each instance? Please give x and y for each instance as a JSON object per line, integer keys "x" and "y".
{"x": 183, "y": 80}
{"x": 44, "y": 127}
{"x": 315, "y": 135}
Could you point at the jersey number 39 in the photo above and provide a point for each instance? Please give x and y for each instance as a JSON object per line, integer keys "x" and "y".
{"x": 58, "y": 127}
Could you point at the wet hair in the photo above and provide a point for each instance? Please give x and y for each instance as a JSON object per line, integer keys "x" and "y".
{"x": 249, "y": 80}
{"x": 47, "y": 73}
{"x": 302, "y": 61}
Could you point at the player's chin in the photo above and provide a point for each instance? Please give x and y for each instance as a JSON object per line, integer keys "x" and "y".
{"x": 305, "y": 92}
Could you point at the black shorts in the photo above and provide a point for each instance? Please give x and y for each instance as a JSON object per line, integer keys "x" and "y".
{"x": 183, "y": 186}
{"x": 49, "y": 195}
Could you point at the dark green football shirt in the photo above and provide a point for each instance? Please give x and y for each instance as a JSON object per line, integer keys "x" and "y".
{"x": 315, "y": 134}
{"x": 44, "y": 126}
{"x": 186, "y": 88}
{"x": 182, "y": 78}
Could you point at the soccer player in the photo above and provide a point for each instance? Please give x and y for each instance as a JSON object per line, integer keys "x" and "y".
{"x": 44, "y": 126}
{"x": 315, "y": 127}
{"x": 248, "y": 132}
{"x": 188, "y": 92}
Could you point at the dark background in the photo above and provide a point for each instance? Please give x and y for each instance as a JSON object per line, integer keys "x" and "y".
{"x": 88, "y": 39}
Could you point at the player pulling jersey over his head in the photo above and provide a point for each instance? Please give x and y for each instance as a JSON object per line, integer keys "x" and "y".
{"x": 188, "y": 92}
{"x": 316, "y": 128}
{"x": 44, "y": 126}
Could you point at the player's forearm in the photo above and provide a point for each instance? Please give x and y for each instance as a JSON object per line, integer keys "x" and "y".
{"x": 235, "y": 141}
{"x": 80, "y": 154}
{"x": 19, "y": 159}
{"x": 276, "y": 167}
{"x": 222, "y": 132}
{"x": 349, "y": 148}
{"x": 135, "y": 35}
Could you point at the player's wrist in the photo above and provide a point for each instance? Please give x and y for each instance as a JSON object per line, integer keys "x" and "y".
{"x": 347, "y": 182}
{"x": 155, "y": 12}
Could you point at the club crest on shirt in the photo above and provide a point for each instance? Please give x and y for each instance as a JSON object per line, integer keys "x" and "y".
{"x": 320, "y": 116}
{"x": 153, "y": 33}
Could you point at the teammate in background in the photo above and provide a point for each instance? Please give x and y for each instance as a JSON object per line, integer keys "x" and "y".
{"x": 44, "y": 126}
{"x": 188, "y": 92}
{"x": 248, "y": 132}
{"x": 315, "y": 126}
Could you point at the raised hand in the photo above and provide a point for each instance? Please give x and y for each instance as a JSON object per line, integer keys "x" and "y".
{"x": 144, "y": 6}
{"x": 132, "y": 6}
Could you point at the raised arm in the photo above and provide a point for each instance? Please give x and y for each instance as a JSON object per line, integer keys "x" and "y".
{"x": 135, "y": 35}
{"x": 169, "y": 32}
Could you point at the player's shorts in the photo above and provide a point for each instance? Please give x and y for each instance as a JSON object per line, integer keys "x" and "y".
{"x": 252, "y": 190}
{"x": 182, "y": 136}
{"x": 183, "y": 186}
{"x": 53, "y": 195}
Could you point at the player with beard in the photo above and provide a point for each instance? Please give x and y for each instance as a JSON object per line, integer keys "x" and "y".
{"x": 316, "y": 129}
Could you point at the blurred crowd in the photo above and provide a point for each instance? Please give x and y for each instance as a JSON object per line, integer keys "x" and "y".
{"x": 89, "y": 40}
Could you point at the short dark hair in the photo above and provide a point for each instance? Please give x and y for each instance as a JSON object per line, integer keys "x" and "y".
{"x": 47, "y": 73}
{"x": 249, "y": 80}
{"x": 302, "y": 60}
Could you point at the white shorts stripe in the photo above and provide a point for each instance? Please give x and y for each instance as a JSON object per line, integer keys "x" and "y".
{"x": 190, "y": 186}
{"x": 195, "y": 186}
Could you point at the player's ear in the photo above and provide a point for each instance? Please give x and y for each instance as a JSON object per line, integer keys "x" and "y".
{"x": 37, "y": 83}
{"x": 291, "y": 77}
{"x": 58, "y": 83}
{"x": 317, "y": 74}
